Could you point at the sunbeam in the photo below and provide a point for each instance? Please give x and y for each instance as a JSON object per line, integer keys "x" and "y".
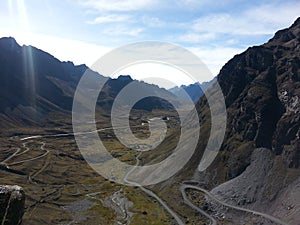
{"x": 30, "y": 79}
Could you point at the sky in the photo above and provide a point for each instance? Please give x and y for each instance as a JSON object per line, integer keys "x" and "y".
{"x": 83, "y": 30}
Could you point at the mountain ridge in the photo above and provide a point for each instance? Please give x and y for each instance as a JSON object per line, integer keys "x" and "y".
{"x": 193, "y": 91}
{"x": 34, "y": 83}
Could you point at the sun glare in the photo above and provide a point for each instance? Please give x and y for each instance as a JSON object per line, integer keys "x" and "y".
{"x": 150, "y": 72}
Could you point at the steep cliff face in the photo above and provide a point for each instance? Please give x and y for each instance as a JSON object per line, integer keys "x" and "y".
{"x": 286, "y": 138}
{"x": 12, "y": 204}
{"x": 262, "y": 93}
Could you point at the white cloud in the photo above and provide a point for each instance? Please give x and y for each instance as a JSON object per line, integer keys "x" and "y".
{"x": 215, "y": 57}
{"x": 152, "y": 21}
{"x": 259, "y": 20}
{"x": 201, "y": 4}
{"x": 119, "y": 5}
{"x": 231, "y": 41}
{"x": 227, "y": 24}
{"x": 112, "y": 18}
{"x": 277, "y": 15}
{"x": 122, "y": 30}
{"x": 196, "y": 37}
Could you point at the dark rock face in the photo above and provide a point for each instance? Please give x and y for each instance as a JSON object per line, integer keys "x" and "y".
{"x": 262, "y": 93}
{"x": 12, "y": 200}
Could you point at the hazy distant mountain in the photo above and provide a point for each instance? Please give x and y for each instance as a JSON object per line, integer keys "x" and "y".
{"x": 33, "y": 83}
{"x": 194, "y": 91}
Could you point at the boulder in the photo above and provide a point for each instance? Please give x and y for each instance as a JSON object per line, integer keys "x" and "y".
{"x": 12, "y": 204}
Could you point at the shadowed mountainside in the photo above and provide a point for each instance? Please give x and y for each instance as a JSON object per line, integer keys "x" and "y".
{"x": 33, "y": 84}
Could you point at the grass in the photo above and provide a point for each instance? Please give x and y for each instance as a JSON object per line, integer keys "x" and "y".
{"x": 64, "y": 178}
{"x": 146, "y": 210}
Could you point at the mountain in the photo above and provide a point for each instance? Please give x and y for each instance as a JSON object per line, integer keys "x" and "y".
{"x": 34, "y": 84}
{"x": 258, "y": 165}
{"x": 114, "y": 86}
{"x": 194, "y": 91}
{"x": 262, "y": 91}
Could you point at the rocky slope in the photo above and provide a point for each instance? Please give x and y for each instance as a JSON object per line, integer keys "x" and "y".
{"x": 262, "y": 89}
{"x": 12, "y": 204}
{"x": 257, "y": 189}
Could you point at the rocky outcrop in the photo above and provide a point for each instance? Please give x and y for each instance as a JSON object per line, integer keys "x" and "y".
{"x": 12, "y": 200}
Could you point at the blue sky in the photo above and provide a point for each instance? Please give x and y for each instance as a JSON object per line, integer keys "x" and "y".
{"x": 83, "y": 30}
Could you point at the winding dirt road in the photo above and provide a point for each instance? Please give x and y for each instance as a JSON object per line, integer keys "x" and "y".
{"x": 18, "y": 153}
{"x": 152, "y": 194}
{"x": 210, "y": 195}
{"x": 188, "y": 202}
{"x": 34, "y": 158}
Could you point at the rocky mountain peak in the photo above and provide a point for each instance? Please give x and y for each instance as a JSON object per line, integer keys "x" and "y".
{"x": 125, "y": 78}
{"x": 297, "y": 22}
{"x": 8, "y": 41}
{"x": 288, "y": 36}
